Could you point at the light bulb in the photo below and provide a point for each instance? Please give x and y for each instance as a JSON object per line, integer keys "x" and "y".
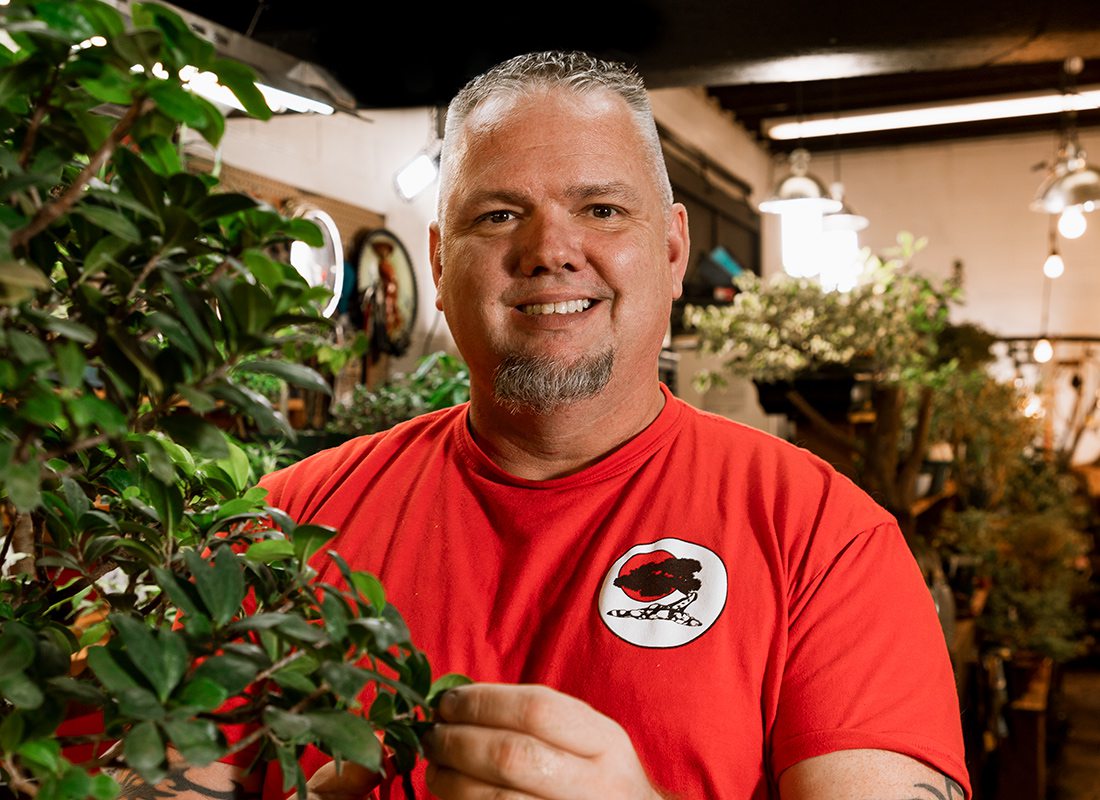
{"x": 1044, "y": 351}
{"x": 1072, "y": 222}
{"x": 1054, "y": 266}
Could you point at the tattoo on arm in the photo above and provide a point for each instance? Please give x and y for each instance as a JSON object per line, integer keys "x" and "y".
{"x": 175, "y": 782}
{"x": 951, "y": 791}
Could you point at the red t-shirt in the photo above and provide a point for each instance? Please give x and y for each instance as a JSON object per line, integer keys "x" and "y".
{"x": 731, "y": 600}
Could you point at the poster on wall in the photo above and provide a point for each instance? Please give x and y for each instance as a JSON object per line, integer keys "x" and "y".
{"x": 387, "y": 286}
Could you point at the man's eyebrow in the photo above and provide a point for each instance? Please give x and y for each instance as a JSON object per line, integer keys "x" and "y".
{"x": 489, "y": 196}
{"x": 616, "y": 190}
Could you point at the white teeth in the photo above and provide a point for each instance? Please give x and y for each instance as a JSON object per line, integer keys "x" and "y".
{"x": 564, "y": 307}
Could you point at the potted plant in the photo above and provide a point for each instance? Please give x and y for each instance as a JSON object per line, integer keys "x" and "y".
{"x": 146, "y": 585}
{"x": 884, "y": 332}
{"x": 439, "y": 381}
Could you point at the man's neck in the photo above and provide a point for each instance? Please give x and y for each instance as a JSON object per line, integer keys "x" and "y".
{"x": 566, "y": 440}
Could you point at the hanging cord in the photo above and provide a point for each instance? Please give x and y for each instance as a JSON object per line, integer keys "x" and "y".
{"x": 261, "y": 6}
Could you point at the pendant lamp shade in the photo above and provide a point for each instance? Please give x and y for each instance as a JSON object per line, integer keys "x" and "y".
{"x": 846, "y": 219}
{"x": 800, "y": 189}
{"x": 1072, "y": 182}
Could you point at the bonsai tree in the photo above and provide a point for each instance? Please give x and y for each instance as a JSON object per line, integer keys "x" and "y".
{"x": 146, "y": 585}
{"x": 885, "y": 330}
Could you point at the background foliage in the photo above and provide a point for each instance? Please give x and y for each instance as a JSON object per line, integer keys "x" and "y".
{"x": 146, "y": 583}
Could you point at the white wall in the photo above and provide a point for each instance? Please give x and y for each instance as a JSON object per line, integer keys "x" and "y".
{"x": 352, "y": 159}
{"x": 970, "y": 198}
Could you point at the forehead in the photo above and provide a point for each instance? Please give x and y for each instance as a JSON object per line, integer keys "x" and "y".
{"x": 552, "y": 133}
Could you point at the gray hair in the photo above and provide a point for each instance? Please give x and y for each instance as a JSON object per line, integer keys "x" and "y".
{"x": 575, "y": 71}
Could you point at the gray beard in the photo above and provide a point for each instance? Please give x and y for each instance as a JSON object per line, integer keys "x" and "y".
{"x": 540, "y": 384}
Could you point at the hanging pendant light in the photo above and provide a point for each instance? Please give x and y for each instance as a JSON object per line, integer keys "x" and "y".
{"x": 845, "y": 218}
{"x": 800, "y": 190}
{"x": 1071, "y": 186}
{"x": 1054, "y": 266}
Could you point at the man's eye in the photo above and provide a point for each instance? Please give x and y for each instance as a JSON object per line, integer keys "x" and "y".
{"x": 604, "y": 212}
{"x": 498, "y": 217}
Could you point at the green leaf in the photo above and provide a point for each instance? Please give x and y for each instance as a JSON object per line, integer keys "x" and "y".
{"x": 221, "y": 204}
{"x": 197, "y": 434}
{"x": 270, "y": 550}
{"x": 242, "y": 82}
{"x": 181, "y": 304}
{"x": 292, "y": 770}
{"x": 349, "y": 735}
{"x": 178, "y": 103}
{"x": 336, "y": 615}
{"x": 203, "y": 693}
{"x": 27, "y": 348}
{"x": 236, "y": 466}
{"x": 23, "y": 483}
{"x": 163, "y": 660}
{"x": 231, "y": 671}
{"x": 43, "y": 407}
{"x": 16, "y": 649}
{"x": 288, "y": 727}
{"x": 292, "y": 679}
{"x": 143, "y": 748}
{"x": 74, "y": 783}
{"x": 296, "y": 374}
{"x": 167, "y": 581}
{"x": 221, "y": 587}
{"x": 161, "y": 155}
{"x": 70, "y": 364}
{"x": 345, "y": 679}
{"x": 308, "y": 539}
{"x": 21, "y": 691}
{"x": 139, "y": 703}
{"x": 103, "y": 787}
{"x": 443, "y": 683}
{"x": 110, "y": 220}
{"x": 382, "y": 709}
{"x": 42, "y": 753}
{"x": 11, "y": 732}
{"x": 82, "y": 691}
{"x": 166, "y": 500}
{"x": 110, "y": 86}
{"x": 371, "y": 588}
{"x": 19, "y": 275}
{"x": 200, "y": 401}
{"x": 197, "y": 740}
{"x": 306, "y": 231}
{"x": 144, "y": 184}
{"x": 110, "y": 673}
{"x": 88, "y": 409}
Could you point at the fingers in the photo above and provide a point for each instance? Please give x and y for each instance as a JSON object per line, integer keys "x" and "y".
{"x": 448, "y": 783}
{"x": 469, "y": 756}
{"x": 556, "y": 719}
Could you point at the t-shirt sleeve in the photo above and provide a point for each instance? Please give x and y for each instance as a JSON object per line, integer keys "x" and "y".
{"x": 867, "y": 664}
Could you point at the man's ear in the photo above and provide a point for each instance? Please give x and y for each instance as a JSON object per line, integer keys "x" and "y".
{"x": 437, "y": 261}
{"x": 679, "y": 246}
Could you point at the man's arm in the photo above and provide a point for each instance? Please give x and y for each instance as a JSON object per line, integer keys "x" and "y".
{"x": 214, "y": 781}
{"x": 866, "y": 775}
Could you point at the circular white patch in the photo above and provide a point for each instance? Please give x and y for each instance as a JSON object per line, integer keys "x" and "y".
{"x": 663, "y": 594}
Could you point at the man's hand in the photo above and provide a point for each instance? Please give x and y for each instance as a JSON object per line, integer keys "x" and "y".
{"x": 533, "y": 742}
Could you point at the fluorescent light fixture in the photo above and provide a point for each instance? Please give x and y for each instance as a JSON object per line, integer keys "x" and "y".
{"x": 205, "y": 85}
{"x": 417, "y": 175}
{"x": 922, "y": 116}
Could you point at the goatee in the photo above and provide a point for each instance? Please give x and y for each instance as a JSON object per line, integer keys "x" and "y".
{"x": 540, "y": 384}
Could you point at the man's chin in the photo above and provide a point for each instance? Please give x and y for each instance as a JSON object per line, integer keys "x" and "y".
{"x": 541, "y": 384}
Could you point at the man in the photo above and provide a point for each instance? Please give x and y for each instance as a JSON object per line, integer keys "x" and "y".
{"x": 660, "y": 603}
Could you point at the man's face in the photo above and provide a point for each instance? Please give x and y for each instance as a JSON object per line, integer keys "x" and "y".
{"x": 556, "y": 246}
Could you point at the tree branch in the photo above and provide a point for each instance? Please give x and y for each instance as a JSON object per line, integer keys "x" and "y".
{"x": 913, "y": 460}
{"x": 19, "y": 781}
{"x": 41, "y": 107}
{"x": 54, "y": 209}
{"x": 826, "y": 428}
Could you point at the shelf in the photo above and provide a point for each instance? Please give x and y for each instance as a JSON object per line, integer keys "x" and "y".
{"x": 924, "y": 503}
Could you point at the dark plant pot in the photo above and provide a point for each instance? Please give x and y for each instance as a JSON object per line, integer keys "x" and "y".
{"x": 310, "y": 442}
{"x": 829, "y": 392}
{"x": 939, "y": 471}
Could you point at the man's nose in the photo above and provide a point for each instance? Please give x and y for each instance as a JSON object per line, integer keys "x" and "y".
{"x": 551, "y": 242}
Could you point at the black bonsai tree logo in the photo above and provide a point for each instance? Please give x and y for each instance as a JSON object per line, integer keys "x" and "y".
{"x": 654, "y": 579}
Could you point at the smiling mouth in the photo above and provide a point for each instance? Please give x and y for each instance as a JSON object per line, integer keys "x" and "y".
{"x": 564, "y": 307}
